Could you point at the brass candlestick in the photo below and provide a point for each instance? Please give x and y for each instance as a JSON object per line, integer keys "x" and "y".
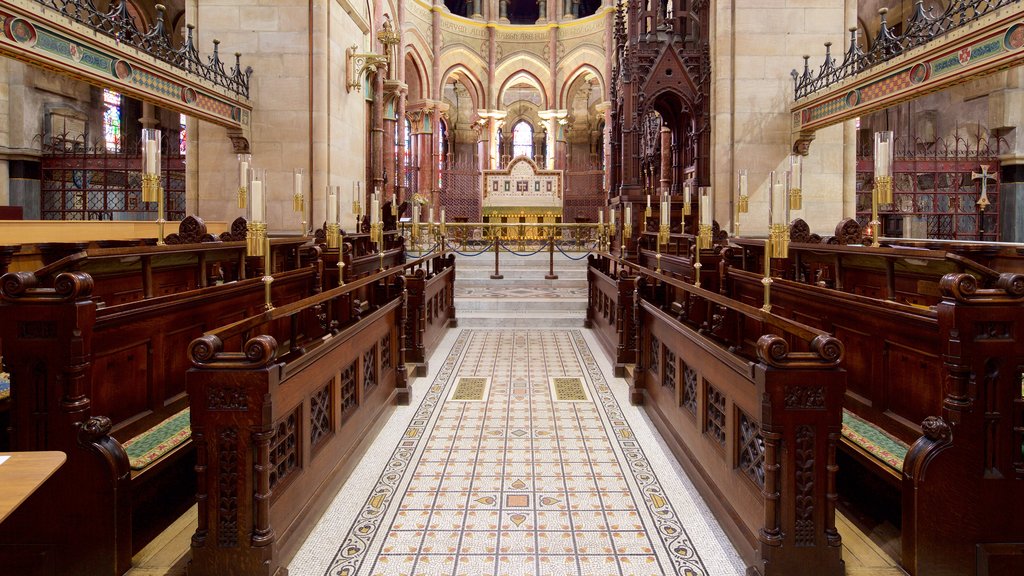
{"x": 767, "y": 280}
{"x": 243, "y": 192}
{"x": 795, "y": 199}
{"x": 160, "y": 216}
{"x": 341, "y": 261}
{"x": 268, "y": 278}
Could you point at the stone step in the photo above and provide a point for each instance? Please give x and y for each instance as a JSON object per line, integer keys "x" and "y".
{"x": 476, "y": 283}
{"x": 510, "y": 261}
{"x": 515, "y": 305}
{"x": 530, "y": 319}
{"x": 519, "y": 274}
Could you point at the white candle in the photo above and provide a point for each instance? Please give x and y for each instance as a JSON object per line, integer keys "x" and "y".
{"x": 795, "y": 173}
{"x": 430, "y": 215}
{"x": 664, "y": 213}
{"x": 777, "y": 201}
{"x": 298, "y": 183}
{"x": 706, "y": 213}
{"x": 151, "y": 156}
{"x": 743, "y": 183}
{"x": 600, "y": 217}
{"x": 339, "y": 208}
{"x": 648, "y": 201}
{"x": 442, "y": 215}
{"x": 629, "y": 214}
{"x": 243, "y": 174}
{"x": 394, "y": 199}
{"x": 257, "y": 201}
{"x": 415, "y": 214}
{"x": 332, "y": 207}
{"x": 374, "y": 209}
{"x": 611, "y": 216}
{"x": 882, "y": 159}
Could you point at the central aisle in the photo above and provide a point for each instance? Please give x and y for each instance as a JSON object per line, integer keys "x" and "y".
{"x": 517, "y": 458}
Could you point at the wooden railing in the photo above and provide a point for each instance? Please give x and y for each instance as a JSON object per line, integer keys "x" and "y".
{"x": 609, "y": 311}
{"x": 756, "y": 426}
{"x": 279, "y": 416}
{"x": 431, "y": 307}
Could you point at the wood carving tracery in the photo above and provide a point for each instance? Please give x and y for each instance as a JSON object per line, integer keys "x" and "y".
{"x": 227, "y": 487}
{"x": 805, "y": 486}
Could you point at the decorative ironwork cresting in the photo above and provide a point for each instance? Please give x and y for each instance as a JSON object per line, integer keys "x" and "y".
{"x": 117, "y": 23}
{"x": 920, "y": 28}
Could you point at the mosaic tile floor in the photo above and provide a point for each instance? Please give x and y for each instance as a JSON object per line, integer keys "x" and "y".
{"x": 519, "y": 457}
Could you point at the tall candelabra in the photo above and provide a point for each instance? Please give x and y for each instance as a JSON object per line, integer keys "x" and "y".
{"x": 742, "y": 201}
{"x": 796, "y": 178}
{"x": 882, "y": 193}
{"x": 151, "y": 189}
{"x": 257, "y": 239}
{"x": 244, "y": 160}
{"x": 299, "y": 198}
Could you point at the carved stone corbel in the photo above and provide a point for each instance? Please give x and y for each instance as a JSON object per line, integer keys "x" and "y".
{"x": 359, "y": 63}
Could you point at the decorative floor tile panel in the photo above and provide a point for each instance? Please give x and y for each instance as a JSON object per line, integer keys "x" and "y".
{"x": 518, "y": 460}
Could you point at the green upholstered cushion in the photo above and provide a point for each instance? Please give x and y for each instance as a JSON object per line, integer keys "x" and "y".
{"x": 875, "y": 441}
{"x": 5, "y": 385}
{"x": 149, "y": 446}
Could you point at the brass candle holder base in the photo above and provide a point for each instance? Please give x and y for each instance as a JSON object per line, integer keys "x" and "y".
{"x": 796, "y": 199}
{"x": 242, "y": 193}
{"x": 150, "y": 187}
{"x": 883, "y": 188}
{"x": 779, "y": 240}
{"x": 255, "y": 234}
{"x": 333, "y": 236}
{"x": 704, "y": 240}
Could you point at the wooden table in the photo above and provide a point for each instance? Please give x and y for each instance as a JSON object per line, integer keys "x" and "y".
{"x": 22, "y": 474}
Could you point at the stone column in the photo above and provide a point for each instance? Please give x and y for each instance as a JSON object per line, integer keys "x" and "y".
{"x": 666, "y": 161}
{"x": 377, "y": 134}
{"x": 400, "y": 187}
{"x": 551, "y": 120}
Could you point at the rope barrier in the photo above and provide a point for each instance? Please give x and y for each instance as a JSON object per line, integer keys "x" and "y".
{"x": 466, "y": 254}
{"x": 589, "y": 252}
{"x": 514, "y": 253}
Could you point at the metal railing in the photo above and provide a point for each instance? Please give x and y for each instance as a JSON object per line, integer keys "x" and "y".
{"x": 920, "y": 28}
{"x": 523, "y": 239}
{"x": 117, "y": 23}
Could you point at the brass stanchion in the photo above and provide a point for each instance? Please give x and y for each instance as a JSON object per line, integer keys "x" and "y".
{"x": 551, "y": 258}
{"x": 497, "y": 275}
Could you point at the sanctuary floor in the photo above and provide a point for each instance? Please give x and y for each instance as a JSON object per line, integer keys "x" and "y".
{"x": 519, "y": 454}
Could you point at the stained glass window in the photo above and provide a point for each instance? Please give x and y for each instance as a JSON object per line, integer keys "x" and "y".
{"x": 522, "y": 139}
{"x": 182, "y": 136}
{"x": 112, "y": 120}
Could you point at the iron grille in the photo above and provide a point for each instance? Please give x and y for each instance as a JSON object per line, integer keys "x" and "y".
{"x": 91, "y": 183}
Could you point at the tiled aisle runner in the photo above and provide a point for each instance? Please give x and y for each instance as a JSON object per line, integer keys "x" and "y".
{"x": 519, "y": 483}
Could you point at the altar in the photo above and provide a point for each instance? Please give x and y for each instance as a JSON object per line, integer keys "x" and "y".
{"x": 522, "y": 193}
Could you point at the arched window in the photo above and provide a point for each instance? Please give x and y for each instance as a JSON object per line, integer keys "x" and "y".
{"x": 112, "y": 120}
{"x": 522, "y": 139}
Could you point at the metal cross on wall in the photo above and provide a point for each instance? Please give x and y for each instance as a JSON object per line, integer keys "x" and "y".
{"x": 985, "y": 176}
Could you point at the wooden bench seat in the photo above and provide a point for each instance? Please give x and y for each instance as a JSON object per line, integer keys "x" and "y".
{"x": 874, "y": 446}
{"x": 112, "y": 373}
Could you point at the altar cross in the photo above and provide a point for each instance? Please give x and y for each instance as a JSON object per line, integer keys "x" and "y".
{"x": 985, "y": 176}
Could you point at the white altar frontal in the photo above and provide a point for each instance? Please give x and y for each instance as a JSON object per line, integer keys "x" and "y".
{"x": 522, "y": 193}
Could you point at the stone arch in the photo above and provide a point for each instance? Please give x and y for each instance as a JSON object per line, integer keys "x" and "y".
{"x": 521, "y": 76}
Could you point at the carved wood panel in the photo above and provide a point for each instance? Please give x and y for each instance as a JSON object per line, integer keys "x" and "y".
{"x": 320, "y": 410}
{"x": 284, "y": 448}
